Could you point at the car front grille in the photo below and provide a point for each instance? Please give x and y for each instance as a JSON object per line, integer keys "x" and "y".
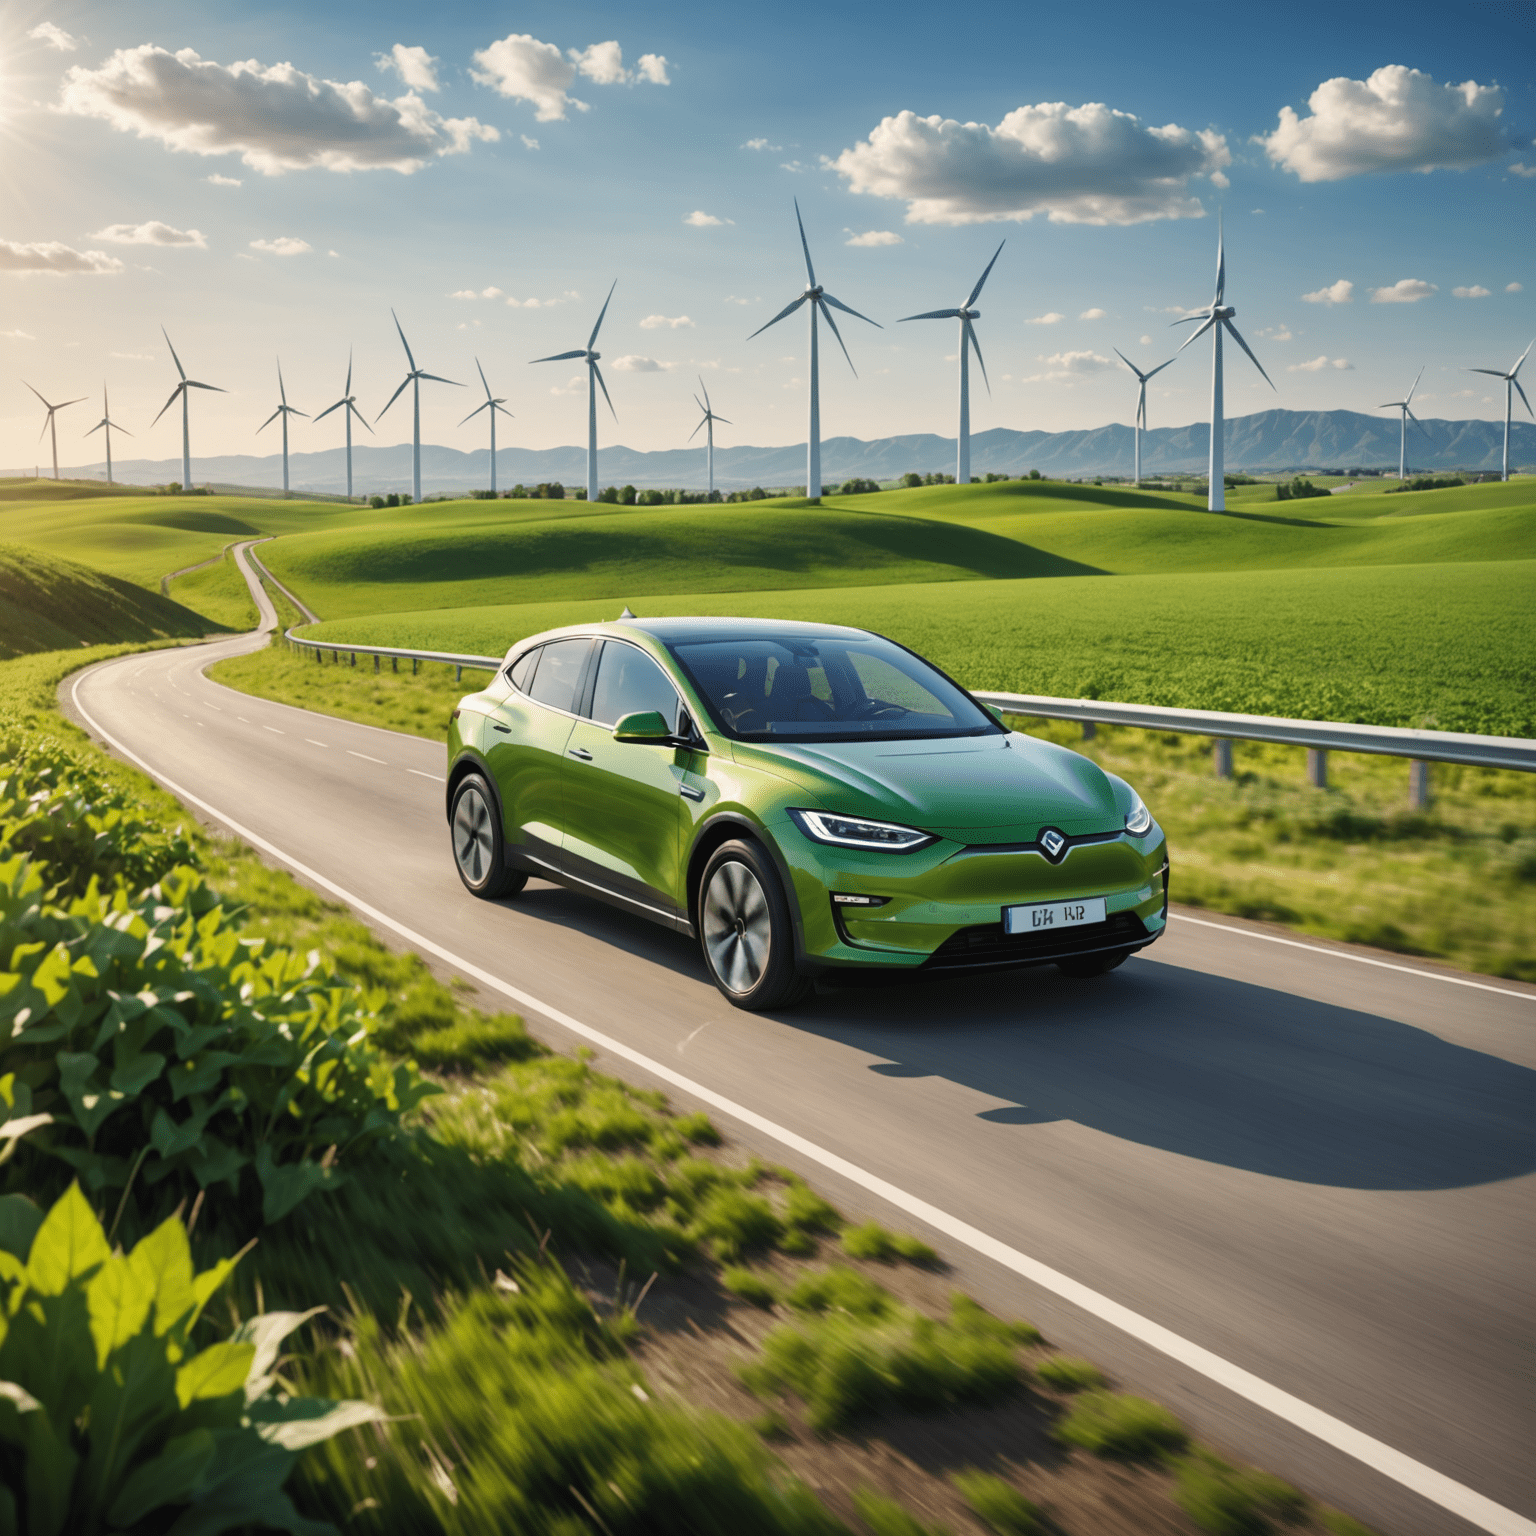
{"x": 990, "y": 944}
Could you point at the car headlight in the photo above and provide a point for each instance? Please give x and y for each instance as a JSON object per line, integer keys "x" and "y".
{"x": 860, "y": 832}
{"x": 1138, "y": 820}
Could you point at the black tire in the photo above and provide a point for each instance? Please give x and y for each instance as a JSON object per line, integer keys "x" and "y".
{"x": 1092, "y": 965}
{"x": 746, "y": 932}
{"x": 479, "y": 853}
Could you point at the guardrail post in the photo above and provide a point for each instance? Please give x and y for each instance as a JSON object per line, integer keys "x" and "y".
{"x": 353, "y": 655}
{"x": 1419, "y": 794}
{"x": 1221, "y": 751}
{"x": 319, "y": 656}
{"x": 1090, "y": 730}
{"x": 1317, "y": 767}
{"x": 415, "y": 665}
{"x": 458, "y": 672}
{"x": 394, "y": 663}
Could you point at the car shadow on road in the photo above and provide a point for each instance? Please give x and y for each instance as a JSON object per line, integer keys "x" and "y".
{"x": 1206, "y": 1067}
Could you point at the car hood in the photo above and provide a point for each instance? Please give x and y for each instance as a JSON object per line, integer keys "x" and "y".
{"x": 1010, "y": 786}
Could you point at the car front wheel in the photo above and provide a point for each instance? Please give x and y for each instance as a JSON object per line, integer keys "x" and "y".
{"x": 478, "y": 850}
{"x": 745, "y": 930}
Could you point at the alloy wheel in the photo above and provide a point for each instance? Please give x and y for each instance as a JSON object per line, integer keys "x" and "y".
{"x": 473, "y": 842}
{"x": 737, "y": 927}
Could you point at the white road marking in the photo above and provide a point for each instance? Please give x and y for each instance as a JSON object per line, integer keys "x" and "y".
{"x": 242, "y": 719}
{"x": 274, "y": 730}
{"x": 682, "y": 1045}
{"x": 366, "y": 758}
{"x": 1339, "y": 954}
{"x": 311, "y": 740}
{"x": 421, "y": 775}
{"x": 214, "y": 707}
{"x": 1475, "y": 1508}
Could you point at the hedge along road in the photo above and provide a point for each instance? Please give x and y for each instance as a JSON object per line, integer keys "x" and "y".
{"x": 1281, "y": 1190}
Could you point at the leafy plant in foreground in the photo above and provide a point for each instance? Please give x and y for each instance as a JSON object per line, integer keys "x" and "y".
{"x": 110, "y": 1415}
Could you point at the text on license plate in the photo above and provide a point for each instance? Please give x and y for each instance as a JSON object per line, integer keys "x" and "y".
{"x": 1056, "y": 914}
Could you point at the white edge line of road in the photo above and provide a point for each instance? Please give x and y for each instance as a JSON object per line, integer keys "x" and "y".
{"x": 1460, "y": 1500}
{"x": 1340, "y": 954}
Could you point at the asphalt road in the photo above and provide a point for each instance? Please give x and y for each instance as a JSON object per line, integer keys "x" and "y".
{"x": 1316, "y": 1169}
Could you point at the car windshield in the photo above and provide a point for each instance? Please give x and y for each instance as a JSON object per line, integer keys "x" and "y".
{"x": 826, "y": 689}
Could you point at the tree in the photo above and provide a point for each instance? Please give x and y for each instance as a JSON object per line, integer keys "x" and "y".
{"x": 911, "y": 481}
{"x": 627, "y": 496}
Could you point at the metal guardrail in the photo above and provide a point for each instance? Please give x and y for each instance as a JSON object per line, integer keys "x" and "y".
{"x": 1319, "y": 737}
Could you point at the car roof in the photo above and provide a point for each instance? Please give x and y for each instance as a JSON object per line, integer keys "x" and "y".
{"x": 685, "y": 629}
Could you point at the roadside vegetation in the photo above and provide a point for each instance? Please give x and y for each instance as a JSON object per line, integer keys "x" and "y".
{"x": 218, "y": 591}
{"x": 491, "y": 1286}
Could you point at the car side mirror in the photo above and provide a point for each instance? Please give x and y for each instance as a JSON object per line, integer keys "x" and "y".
{"x": 645, "y": 725}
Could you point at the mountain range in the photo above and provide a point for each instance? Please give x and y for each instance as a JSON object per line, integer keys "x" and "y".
{"x": 1268, "y": 440}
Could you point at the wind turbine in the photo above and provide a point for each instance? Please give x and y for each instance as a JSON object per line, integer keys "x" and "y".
{"x": 1511, "y": 383}
{"x": 1214, "y": 319}
{"x": 965, "y": 314}
{"x": 348, "y": 407}
{"x": 413, "y": 378}
{"x": 594, "y": 383}
{"x": 1141, "y": 400}
{"x": 819, "y": 299}
{"x": 285, "y": 411}
{"x": 50, "y": 426}
{"x": 708, "y": 423}
{"x": 110, "y": 426}
{"x": 1402, "y": 405}
{"x": 492, "y": 405}
{"x": 184, "y": 390}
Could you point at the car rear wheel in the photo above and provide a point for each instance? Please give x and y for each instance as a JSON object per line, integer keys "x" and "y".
{"x": 478, "y": 850}
{"x": 746, "y": 932}
{"x": 1092, "y": 965}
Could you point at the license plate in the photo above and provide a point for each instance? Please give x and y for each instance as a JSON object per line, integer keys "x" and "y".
{"x": 1056, "y": 914}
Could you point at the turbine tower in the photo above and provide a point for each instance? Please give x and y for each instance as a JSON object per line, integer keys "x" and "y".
{"x": 594, "y": 383}
{"x": 413, "y": 378}
{"x": 347, "y": 405}
{"x": 1141, "y": 401}
{"x": 965, "y": 314}
{"x": 493, "y": 405}
{"x": 1214, "y": 319}
{"x": 1402, "y": 405}
{"x": 819, "y": 299}
{"x": 1511, "y": 383}
{"x": 50, "y": 426}
{"x": 285, "y": 411}
{"x": 110, "y": 427}
{"x": 708, "y": 423}
{"x": 184, "y": 389}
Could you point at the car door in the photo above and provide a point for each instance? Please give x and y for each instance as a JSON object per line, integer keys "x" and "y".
{"x": 623, "y": 800}
{"x": 525, "y": 746}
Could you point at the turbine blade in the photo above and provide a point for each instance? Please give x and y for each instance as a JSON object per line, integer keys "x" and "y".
{"x": 403, "y": 342}
{"x": 1415, "y": 420}
{"x": 496, "y": 405}
{"x": 1516, "y": 369}
{"x": 179, "y": 369}
{"x": 282, "y": 390}
{"x": 293, "y": 410}
{"x": 705, "y": 388}
{"x": 561, "y": 357}
{"x": 827, "y": 298}
{"x": 592, "y": 340}
{"x": 599, "y": 372}
{"x": 348, "y": 389}
{"x": 788, "y": 309}
{"x": 217, "y": 389}
{"x": 76, "y": 401}
{"x": 475, "y": 412}
{"x": 696, "y": 430}
{"x": 354, "y": 410}
{"x": 327, "y": 411}
{"x": 1251, "y": 358}
{"x": 97, "y": 428}
{"x": 436, "y": 379}
{"x": 827, "y": 313}
{"x": 1493, "y": 372}
{"x": 1158, "y": 369}
{"x": 49, "y": 406}
{"x": 270, "y": 419}
{"x": 1201, "y": 314}
{"x": 1221, "y": 258}
{"x": 169, "y": 403}
{"x": 1196, "y": 335}
{"x": 1129, "y": 364}
{"x": 46, "y": 422}
{"x": 726, "y": 419}
{"x": 976, "y": 291}
{"x": 1393, "y": 405}
{"x": 482, "y": 380}
{"x": 810, "y": 271}
{"x": 1415, "y": 386}
{"x": 932, "y": 314}
{"x": 970, "y": 331}
{"x": 406, "y": 380}
{"x": 116, "y": 428}
{"x": 1521, "y": 392}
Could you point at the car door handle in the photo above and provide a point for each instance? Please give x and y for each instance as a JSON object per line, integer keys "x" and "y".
{"x": 688, "y": 792}
{"x": 582, "y": 753}
{"x": 506, "y": 730}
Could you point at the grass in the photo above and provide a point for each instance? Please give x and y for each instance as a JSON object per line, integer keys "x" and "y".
{"x": 1233, "y": 1501}
{"x": 872, "y": 1241}
{"x": 1068, "y": 1374}
{"x": 1122, "y": 1426}
{"x": 1001, "y": 1505}
{"x": 219, "y": 593}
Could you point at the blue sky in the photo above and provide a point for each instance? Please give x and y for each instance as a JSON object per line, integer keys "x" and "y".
{"x": 147, "y": 178}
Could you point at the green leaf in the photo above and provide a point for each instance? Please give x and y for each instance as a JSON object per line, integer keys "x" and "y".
{"x": 118, "y": 1299}
{"x": 216, "y": 1372}
{"x": 51, "y": 978}
{"x": 164, "y": 1262}
{"x": 50, "y": 1476}
{"x": 266, "y": 1332}
{"x": 19, "y": 1221}
{"x": 69, "y": 1243}
{"x": 134, "y": 1074}
{"x": 305, "y": 1421}
{"x": 91, "y": 1101}
{"x": 168, "y": 1478}
{"x": 283, "y": 1186}
{"x": 249, "y": 1501}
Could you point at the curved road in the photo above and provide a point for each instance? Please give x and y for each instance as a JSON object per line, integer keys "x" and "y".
{"x": 1283, "y": 1187}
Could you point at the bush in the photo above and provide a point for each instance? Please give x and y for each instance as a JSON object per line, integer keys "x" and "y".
{"x": 1000, "y": 1504}
{"x": 1426, "y": 483}
{"x": 885, "y": 1517}
{"x": 857, "y": 488}
{"x": 1230, "y": 1502}
{"x": 111, "y": 1419}
{"x": 1299, "y": 490}
{"x": 872, "y": 1241}
{"x": 751, "y": 1287}
{"x": 1069, "y": 1374}
{"x": 1117, "y": 1424}
{"x": 911, "y": 481}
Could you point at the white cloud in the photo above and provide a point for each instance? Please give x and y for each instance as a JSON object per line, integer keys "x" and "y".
{"x": 1093, "y": 314}
{"x": 875, "y": 237}
{"x": 223, "y": 181}
{"x": 1076, "y": 165}
{"x": 763, "y": 144}
{"x": 18, "y": 335}
{"x": 471, "y": 293}
{"x": 523, "y": 68}
{"x": 1318, "y": 364}
{"x": 653, "y": 69}
{"x": 1146, "y": 341}
{"x": 1051, "y": 318}
{"x": 1476, "y": 291}
{"x": 1406, "y": 290}
{"x": 415, "y": 66}
{"x": 54, "y": 36}
{"x": 602, "y": 62}
{"x": 674, "y": 322}
{"x": 1070, "y": 365}
{"x": 1341, "y": 292}
{"x": 1398, "y": 120}
{"x": 1280, "y": 332}
{"x": 336, "y": 254}
{"x": 1514, "y": 288}
{"x": 54, "y": 258}
{"x": 636, "y": 364}
{"x": 151, "y": 233}
{"x": 282, "y": 245}
{"x": 731, "y": 298}
{"x": 1256, "y": 210}
{"x": 517, "y": 303}
{"x": 701, "y": 220}
{"x": 276, "y": 119}
{"x": 527, "y": 142}
{"x": 1517, "y": 169}
{"x": 793, "y": 165}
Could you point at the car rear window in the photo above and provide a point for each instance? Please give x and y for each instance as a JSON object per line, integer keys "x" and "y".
{"x": 560, "y": 666}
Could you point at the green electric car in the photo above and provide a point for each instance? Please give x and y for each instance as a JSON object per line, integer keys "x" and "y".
{"x": 808, "y": 800}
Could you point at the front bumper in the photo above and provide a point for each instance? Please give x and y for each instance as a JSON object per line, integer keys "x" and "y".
{"x": 943, "y": 904}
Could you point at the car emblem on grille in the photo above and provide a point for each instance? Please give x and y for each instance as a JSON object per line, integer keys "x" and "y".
{"x": 1052, "y": 844}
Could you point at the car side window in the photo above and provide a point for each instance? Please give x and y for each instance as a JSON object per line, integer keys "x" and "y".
{"x": 561, "y": 664}
{"x": 629, "y": 682}
{"x": 520, "y": 674}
